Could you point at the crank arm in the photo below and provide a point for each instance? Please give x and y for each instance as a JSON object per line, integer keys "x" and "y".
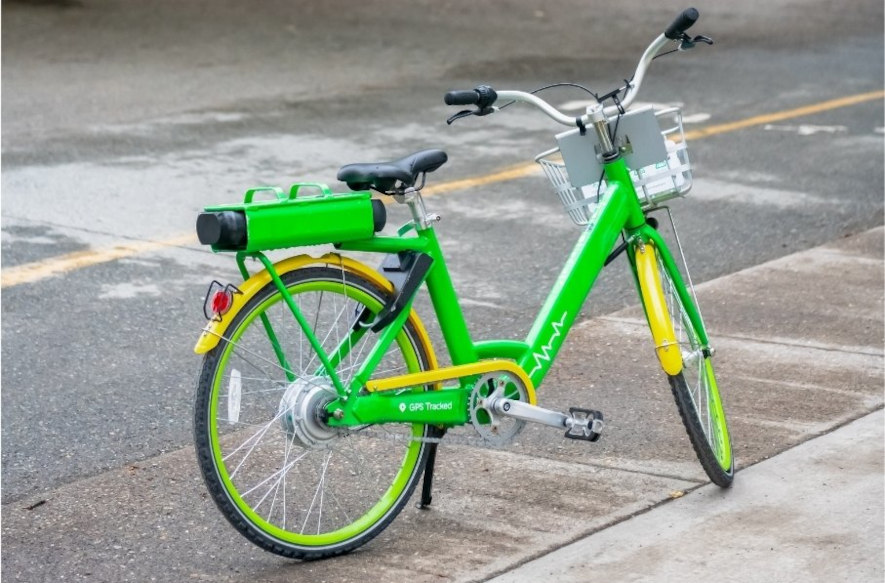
{"x": 580, "y": 424}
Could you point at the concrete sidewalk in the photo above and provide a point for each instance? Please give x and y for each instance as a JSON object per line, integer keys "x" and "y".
{"x": 812, "y": 513}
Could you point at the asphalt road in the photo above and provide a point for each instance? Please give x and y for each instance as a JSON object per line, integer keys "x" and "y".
{"x": 121, "y": 121}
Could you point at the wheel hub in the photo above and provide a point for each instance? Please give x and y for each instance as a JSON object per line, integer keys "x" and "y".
{"x": 302, "y": 412}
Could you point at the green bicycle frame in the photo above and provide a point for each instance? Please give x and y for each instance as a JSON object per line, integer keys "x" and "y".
{"x": 617, "y": 213}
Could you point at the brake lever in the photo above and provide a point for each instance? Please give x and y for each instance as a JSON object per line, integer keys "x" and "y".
{"x": 466, "y": 112}
{"x": 689, "y": 43}
{"x": 458, "y": 116}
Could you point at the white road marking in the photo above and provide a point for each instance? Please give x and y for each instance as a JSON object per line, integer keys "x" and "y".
{"x": 806, "y": 129}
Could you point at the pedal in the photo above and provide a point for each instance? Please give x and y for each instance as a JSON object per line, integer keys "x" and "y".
{"x": 584, "y": 424}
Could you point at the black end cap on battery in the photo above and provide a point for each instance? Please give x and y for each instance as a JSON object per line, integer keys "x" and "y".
{"x": 379, "y": 215}
{"x": 223, "y": 230}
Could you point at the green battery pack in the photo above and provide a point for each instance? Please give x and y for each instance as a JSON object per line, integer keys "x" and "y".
{"x": 290, "y": 220}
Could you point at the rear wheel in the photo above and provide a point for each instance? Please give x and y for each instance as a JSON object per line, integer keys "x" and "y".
{"x": 282, "y": 477}
{"x": 696, "y": 392}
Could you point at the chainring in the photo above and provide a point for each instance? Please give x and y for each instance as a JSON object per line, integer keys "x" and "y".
{"x": 494, "y": 428}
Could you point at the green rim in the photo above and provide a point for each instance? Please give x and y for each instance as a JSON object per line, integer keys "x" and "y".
{"x": 721, "y": 441}
{"x": 387, "y": 501}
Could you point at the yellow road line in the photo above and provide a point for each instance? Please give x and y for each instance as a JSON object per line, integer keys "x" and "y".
{"x": 30, "y": 272}
{"x": 782, "y": 115}
{"x": 38, "y": 270}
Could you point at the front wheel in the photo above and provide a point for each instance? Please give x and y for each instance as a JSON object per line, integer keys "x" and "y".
{"x": 282, "y": 477}
{"x": 696, "y": 392}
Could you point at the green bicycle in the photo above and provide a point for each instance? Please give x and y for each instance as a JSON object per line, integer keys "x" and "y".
{"x": 320, "y": 403}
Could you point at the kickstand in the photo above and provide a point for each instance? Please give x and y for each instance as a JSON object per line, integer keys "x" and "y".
{"x": 427, "y": 485}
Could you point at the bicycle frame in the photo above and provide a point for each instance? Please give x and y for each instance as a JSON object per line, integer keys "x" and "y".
{"x": 617, "y": 213}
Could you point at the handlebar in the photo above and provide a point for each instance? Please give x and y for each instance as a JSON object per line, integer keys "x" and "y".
{"x": 484, "y": 96}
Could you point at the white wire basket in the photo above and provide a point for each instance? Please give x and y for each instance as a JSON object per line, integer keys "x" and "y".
{"x": 655, "y": 183}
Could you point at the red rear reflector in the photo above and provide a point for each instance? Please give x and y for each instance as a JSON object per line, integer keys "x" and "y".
{"x": 221, "y": 302}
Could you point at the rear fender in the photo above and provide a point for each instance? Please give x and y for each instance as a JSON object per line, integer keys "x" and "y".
{"x": 215, "y": 330}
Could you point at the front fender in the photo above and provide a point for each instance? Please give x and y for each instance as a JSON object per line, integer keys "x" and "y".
{"x": 214, "y": 330}
{"x": 656, "y": 311}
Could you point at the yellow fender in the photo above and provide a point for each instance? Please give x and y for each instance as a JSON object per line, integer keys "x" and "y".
{"x": 656, "y": 310}
{"x": 213, "y": 331}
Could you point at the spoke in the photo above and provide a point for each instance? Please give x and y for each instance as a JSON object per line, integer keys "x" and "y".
{"x": 335, "y": 325}
{"x": 265, "y": 380}
{"x": 300, "y": 348}
{"x": 359, "y": 465}
{"x": 245, "y": 425}
{"x": 273, "y": 502}
{"x": 237, "y": 348}
{"x": 289, "y": 443}
{"x": 340, "y": 507}
{"x": 323, "y": 342}
{"x": 236, "y": 351}
{"x": 256, "y": 437}
{"x": 277, "y": 474}
{"x": 322, "y": 497}
{"x": 320, "y": 487}
{"x": 705, "y": 386}
{"x": 694, "y": 391}
{"x": 315, "y": 326}
{"x": 259, "y": 391}
{"x": 359, "y": 355}
{"x": 319, "y": 308}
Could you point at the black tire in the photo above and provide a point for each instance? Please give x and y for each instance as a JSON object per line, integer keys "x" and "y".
{"x": 719, "y": 475}
{"x": 260, "y": 472}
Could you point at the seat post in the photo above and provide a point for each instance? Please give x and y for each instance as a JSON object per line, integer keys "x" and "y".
{"x": 412, "y": 197}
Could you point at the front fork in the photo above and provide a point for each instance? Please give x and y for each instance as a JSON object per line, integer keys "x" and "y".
{"x": 648, "y": 251}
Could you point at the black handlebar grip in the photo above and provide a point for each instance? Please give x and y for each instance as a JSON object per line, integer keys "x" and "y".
{"x": 462, "y": 97}
{"x": 682, "y": 23}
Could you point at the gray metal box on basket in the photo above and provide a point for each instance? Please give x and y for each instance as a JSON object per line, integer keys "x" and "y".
{"x": 657, "y": 156}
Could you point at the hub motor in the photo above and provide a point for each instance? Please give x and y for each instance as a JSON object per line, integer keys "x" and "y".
{"x": 302, "y": 412}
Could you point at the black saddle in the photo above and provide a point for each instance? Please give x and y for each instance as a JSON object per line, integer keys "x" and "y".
{"x": 384, "y": 176}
